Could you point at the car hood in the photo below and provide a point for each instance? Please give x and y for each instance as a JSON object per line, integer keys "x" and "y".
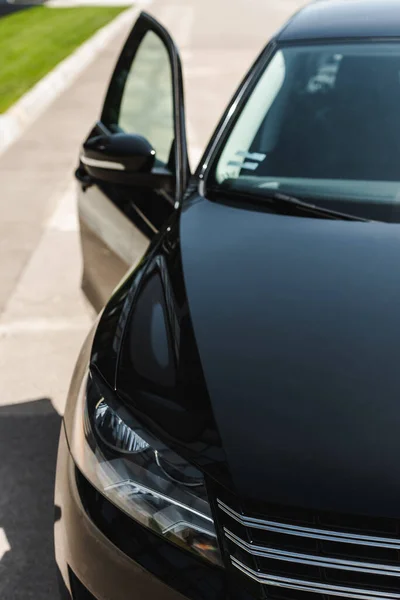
{"x": 297, "y": 324}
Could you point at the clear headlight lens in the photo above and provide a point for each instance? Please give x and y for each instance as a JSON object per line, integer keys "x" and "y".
{"x": 136, "y": 472}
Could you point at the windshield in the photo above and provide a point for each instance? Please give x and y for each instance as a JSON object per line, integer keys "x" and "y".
{"x": 323, "y": 124}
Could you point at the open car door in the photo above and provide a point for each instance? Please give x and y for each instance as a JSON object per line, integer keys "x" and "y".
{"x": 133, "y": 166}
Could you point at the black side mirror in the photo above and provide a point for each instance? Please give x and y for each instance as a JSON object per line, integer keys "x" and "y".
{"x": 117, "y": 157}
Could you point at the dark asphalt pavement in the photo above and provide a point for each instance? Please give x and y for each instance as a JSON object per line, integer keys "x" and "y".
{"x": 28, "y": 447}
{"x": 7, "y": 8}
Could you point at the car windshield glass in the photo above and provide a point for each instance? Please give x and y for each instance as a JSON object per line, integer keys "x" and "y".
{"x": 322, "y": 124}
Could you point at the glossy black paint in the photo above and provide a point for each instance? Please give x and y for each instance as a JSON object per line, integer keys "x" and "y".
{"x": 130, "y": 153}
{"x": 145, "y": 199}
{"x": 315, "y": 301}
{"x": 334, "y": 19}
{"x": 104, "y": 349}
{"x": 302, "y": 314}
{"x": 278, "y": 377}
{"x": 91, "y": 565}
{"x": 175, "y": 567}
{"x": 171, "y": 399}
{"x": 284, "y": 358}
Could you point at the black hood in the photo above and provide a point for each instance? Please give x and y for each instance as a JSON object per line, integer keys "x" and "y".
{"x": 278, "y": 371}
{"x": 297, "y": 324}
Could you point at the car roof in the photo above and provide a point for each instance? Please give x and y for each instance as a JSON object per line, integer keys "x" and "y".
{"x": 333, "y": 19}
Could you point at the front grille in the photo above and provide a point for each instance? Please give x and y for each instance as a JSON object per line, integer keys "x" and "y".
{"x": 289, "y": 559}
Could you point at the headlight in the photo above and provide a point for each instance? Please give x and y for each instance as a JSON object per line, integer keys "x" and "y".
{"x": 136, "y": 472}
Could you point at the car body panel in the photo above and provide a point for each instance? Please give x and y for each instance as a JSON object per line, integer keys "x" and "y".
{"x": 259, "y": 346}
{"x": 336, "y": 401}
{"x": 110, "y": 242}
{"x": 120, "y": 219}
{"x": 90, "y": 562}
{"x": 297, "y": 321}
{"x": 90, "y": 529}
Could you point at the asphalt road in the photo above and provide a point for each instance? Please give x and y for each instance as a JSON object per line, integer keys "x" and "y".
{"x": 28, "y": 441}
{"x": 43, "y": 317}
{"x": 8, "y": 8}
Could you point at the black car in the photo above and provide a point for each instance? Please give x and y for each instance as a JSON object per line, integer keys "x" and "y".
{"x": 233, "y": 424}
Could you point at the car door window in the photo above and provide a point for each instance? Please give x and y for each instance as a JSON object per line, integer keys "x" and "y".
{"x": 123, "y": 202}
{"x": 147, "y": 100}
{"x": 140, "y": 98}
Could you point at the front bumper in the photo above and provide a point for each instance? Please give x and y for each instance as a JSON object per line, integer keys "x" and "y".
{"x": 91, "y": 566}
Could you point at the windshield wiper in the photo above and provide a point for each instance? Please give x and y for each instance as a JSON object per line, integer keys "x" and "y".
{"x": 279, "y": 198}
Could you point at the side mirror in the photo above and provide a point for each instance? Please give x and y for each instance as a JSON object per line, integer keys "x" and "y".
{"x": 117, "y": 157}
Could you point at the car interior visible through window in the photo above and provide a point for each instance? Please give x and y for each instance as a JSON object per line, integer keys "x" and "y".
{"x": 322, "y": 123}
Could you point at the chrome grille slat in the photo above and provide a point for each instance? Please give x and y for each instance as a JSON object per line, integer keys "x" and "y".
{"x": 312, "y": 560}
{"x": 311, "y": 586}
{"x": 278, "y": 554}
{"x": 310, "y": 532}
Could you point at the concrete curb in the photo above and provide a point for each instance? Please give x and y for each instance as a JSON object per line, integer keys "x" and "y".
{"x": 37, "y": 100}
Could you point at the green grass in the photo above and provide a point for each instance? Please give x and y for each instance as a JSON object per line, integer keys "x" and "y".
{"x": 33, "y": 41}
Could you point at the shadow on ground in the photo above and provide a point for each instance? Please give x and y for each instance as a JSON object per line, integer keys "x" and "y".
{"x": 28, "y": 447}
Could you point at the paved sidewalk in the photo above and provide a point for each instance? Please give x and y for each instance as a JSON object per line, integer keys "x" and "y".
{"x": 43, "y": 317}
{"x": 43, "y": 320}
